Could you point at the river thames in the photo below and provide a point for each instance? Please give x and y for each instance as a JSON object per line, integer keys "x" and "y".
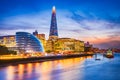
{"x": 82, "y": 68}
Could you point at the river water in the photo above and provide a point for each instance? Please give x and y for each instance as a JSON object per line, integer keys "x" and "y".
{"x": 83, "y": 68}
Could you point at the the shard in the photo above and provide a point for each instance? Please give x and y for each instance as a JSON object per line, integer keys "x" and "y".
{"x": 53, "y": 27}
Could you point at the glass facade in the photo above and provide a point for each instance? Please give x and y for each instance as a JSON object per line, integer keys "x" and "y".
{"x": 53, "y": 26}
{"x": 28, "y": 43}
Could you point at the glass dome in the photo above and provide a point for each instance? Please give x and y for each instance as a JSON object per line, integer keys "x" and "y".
{"x": 28, "y": 42}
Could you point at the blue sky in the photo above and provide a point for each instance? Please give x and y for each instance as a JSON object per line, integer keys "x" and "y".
{"x": 96, "y": 21}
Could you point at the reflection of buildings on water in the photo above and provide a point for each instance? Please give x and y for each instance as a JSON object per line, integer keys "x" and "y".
{"x": 43, "y": 70}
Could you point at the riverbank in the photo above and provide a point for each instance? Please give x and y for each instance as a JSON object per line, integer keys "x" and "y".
{"x": 39, "y": 59}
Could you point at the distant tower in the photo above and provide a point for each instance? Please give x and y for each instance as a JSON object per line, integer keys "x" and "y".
{"x": 35, "y": 33}
{"x": 53, "y": 27}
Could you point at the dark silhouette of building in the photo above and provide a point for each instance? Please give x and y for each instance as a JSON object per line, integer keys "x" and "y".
{"x": 88, "y": 47}
{"x": 35, "y": 33}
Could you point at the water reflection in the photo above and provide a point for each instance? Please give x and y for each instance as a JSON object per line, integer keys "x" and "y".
{"x": 29, "y": 68}
{"x": 20, "y": 71}
{"x": 10, "y": 73}
{"x": 84, "y": 68}
{"x": 50, "y": 70}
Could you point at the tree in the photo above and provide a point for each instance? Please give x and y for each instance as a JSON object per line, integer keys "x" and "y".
{"x": 4, "y": 51}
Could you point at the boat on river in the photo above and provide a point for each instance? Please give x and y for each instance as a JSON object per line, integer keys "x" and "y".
{"x": 96, "y": 58}
{"x": 109, "y": 54}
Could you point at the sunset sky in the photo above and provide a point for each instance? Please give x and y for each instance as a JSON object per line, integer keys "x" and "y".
{"x": 96, "y": 21}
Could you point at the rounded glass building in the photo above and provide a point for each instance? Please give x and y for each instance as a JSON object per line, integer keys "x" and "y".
{"x": 28, "y": 43}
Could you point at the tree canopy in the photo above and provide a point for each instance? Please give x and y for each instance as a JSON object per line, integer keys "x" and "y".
{"x": 4, "y": 51}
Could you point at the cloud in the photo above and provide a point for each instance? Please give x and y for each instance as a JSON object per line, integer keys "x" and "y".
{"x": 78, "y": 26}
{"x": 15, "y": 26}
{"x": 27, "y": 23}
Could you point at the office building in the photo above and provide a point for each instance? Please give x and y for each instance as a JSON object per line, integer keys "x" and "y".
{"x": 28, "y": 43}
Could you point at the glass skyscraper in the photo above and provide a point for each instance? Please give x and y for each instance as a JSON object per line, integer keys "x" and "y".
{"x": 28, "y": 43}
{"x": 53, "y": 26}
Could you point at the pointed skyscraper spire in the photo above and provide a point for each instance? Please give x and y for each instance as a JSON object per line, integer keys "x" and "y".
{"x": 53, "y": 26}
{"x": 53, "y": 9}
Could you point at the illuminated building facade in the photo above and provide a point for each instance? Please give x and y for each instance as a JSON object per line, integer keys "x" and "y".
{"x": 53, "y": 27}
{"x": 55, "y": 44}
{"x": 53, "y": 35}
{"x": 28, "y": 43}
{"x": 68, "y": 45}
{"x": 8, "y": 41}
{"x": 41, "y": 37}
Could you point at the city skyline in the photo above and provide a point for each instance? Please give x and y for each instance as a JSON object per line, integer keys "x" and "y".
{"x": 95, "y": 21}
